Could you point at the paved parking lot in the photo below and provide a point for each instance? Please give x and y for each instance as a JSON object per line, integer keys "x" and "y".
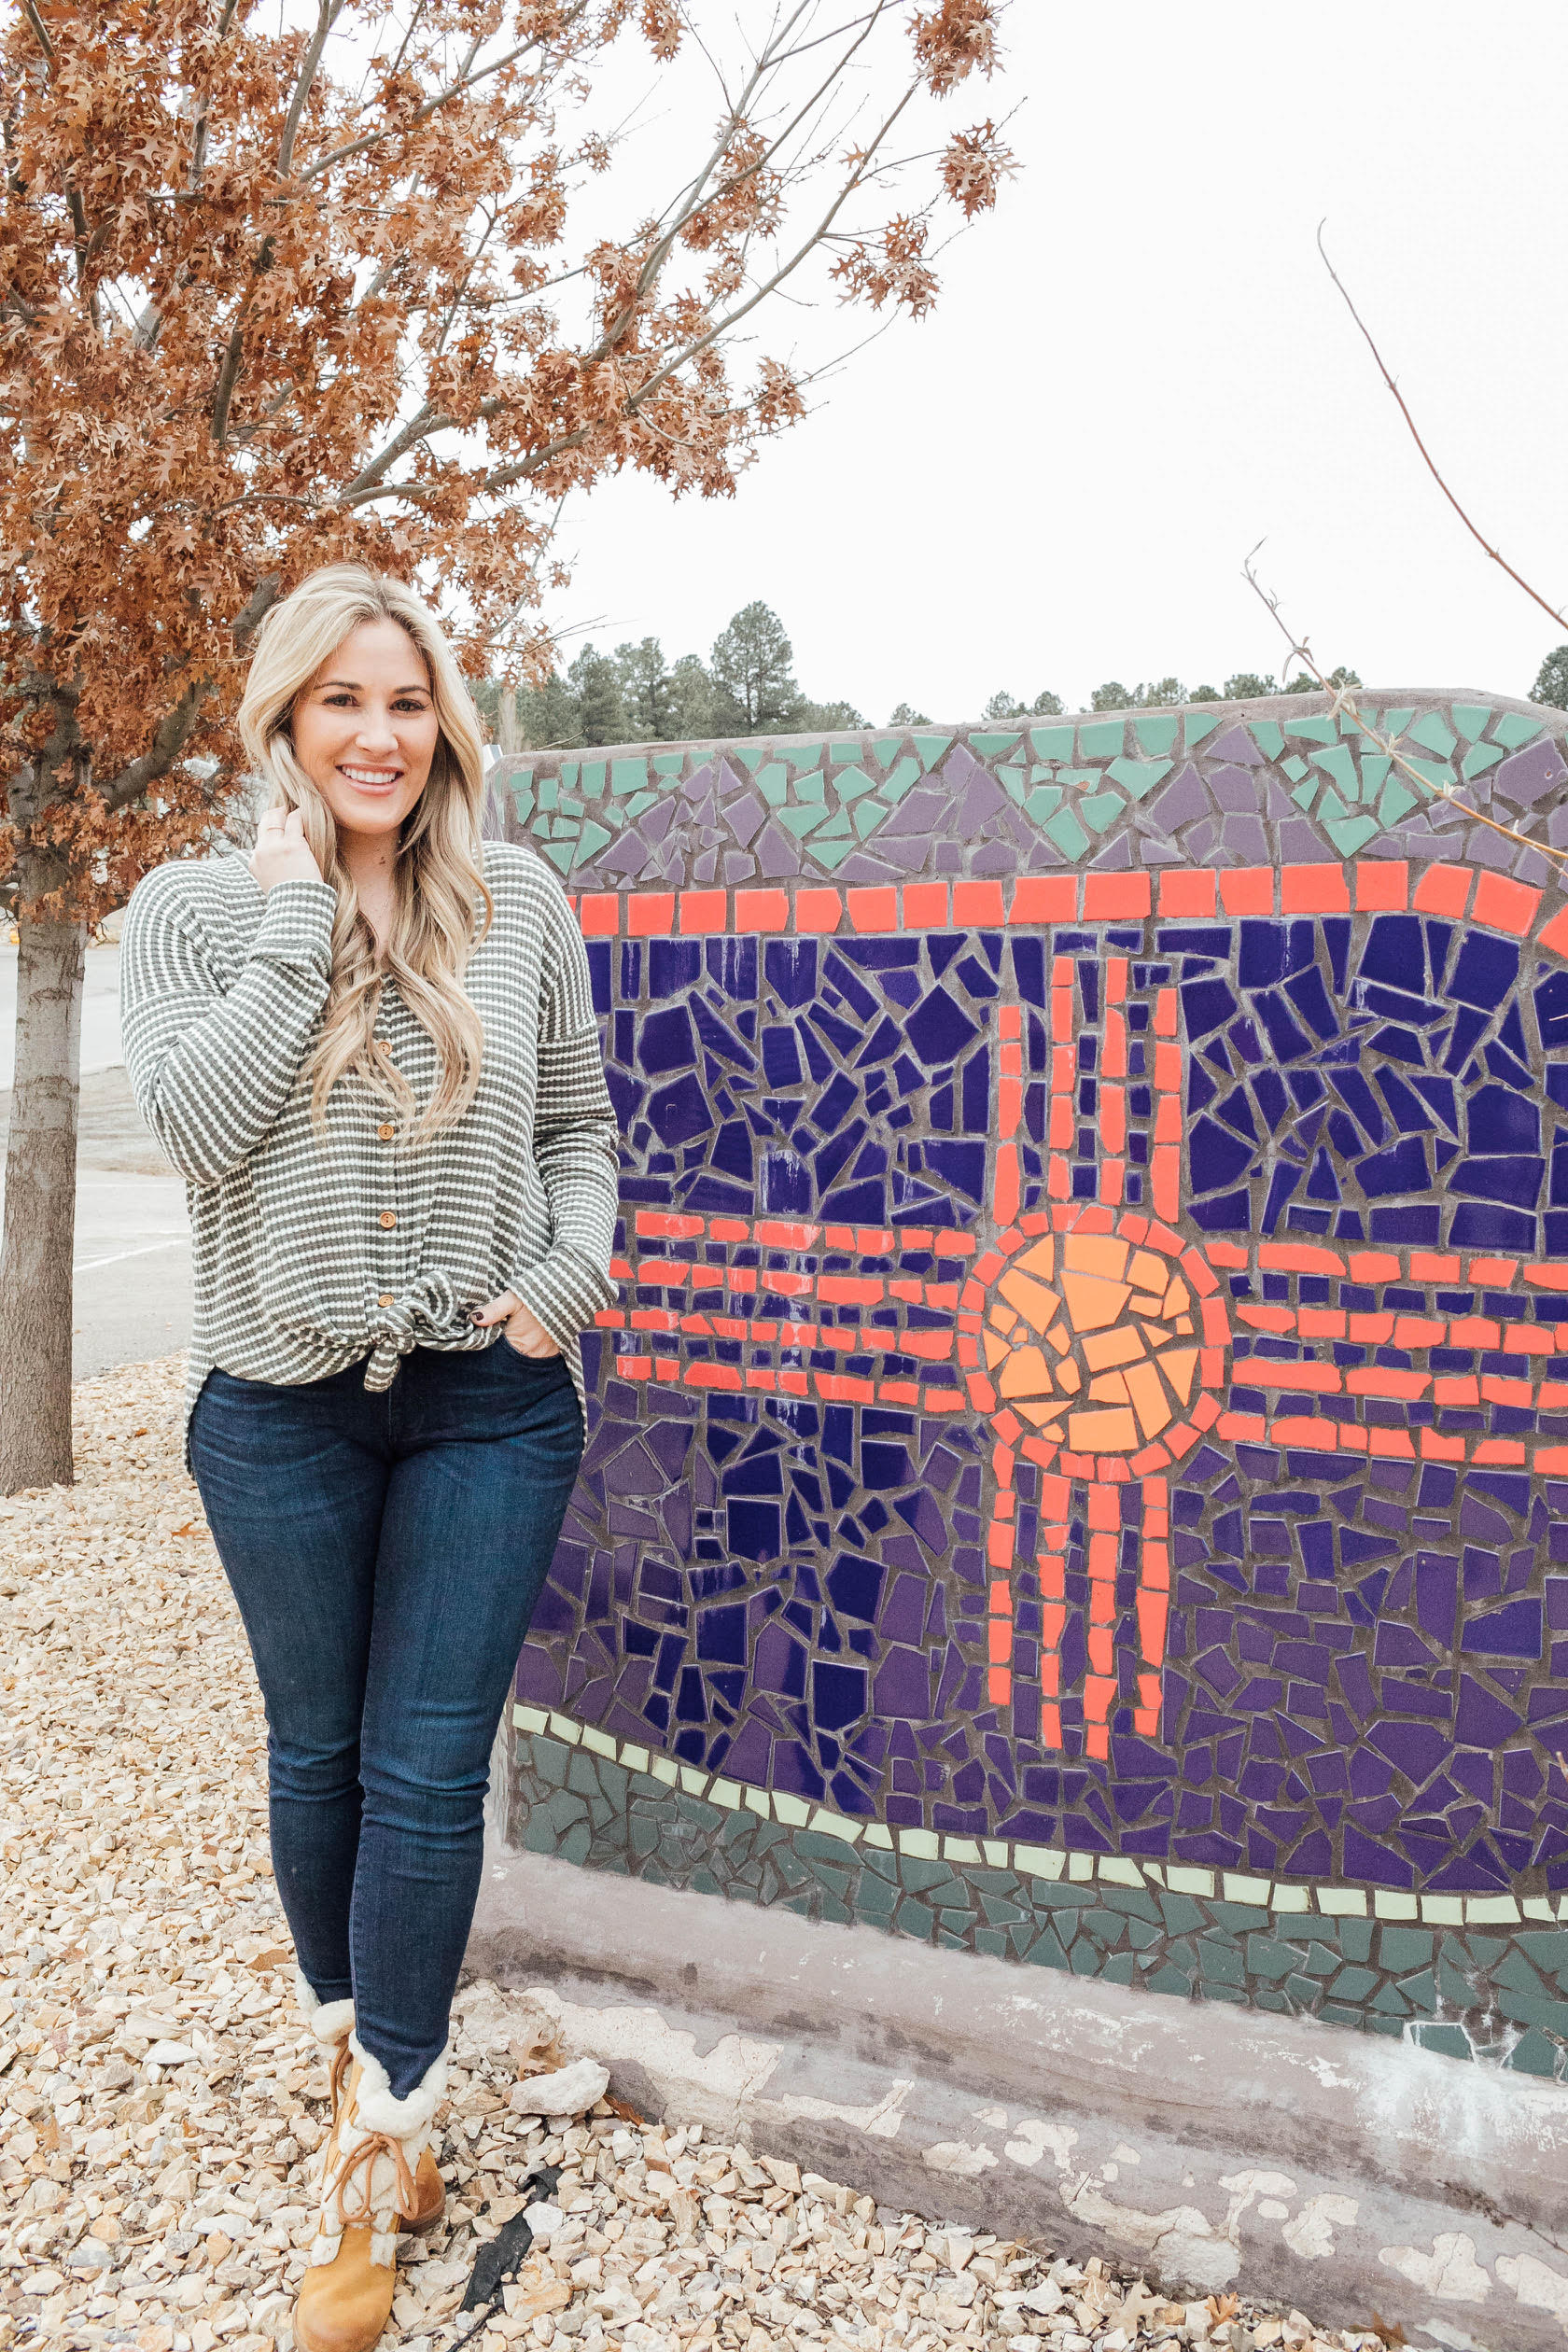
{"x": 132, "y": 1297}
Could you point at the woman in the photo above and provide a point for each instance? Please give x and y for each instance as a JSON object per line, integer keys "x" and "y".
{"x": 371, "y": 1050}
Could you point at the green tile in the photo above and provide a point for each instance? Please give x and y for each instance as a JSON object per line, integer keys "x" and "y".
{"x": 593, "y": 778}
{"x": 815, "y": 786}
{"x": 849, "y": 784}
{"x": 1400, "y": 1948}
{"x": 991, "y": 747}
{"x": 1098, "y": 809}
{"x": 1523, "y": 2011}
{"x": 1052, "y": 743}
{"x": 1119, "y": 1968}
{"x": 1393, "y": 2027}
{"x": 1140, "y": 777}
{"x": 1296, "y": 767}
{"x": 1267, "y": 736}
{"x": 1449, "y": 2039}
{"x": 922, "y": 1877}
{"x": 1547, "y": 1946}
{"x": 845, "y": 754}
{"x": 1439, "y": 779}
{"x": 627, "y": 775}
{"x": 561, "y": 853}
{"x": 1170, "y": 1980}
{"x": 1046, "y": 1951}
{"x": 523, "y": 801}
{"x": 1393, "y": 723}
{"x": 1220, "y": 1963}
{"x": 1156, "y": 732}
{"x": 1302, "y": 1991}
{"x": 868, "y": 814}
{"x": 1143, "y": 1937}
{"x": 1217, "y": 1989}
{"x": 1182, "y": 1916}
{"x": 1136, "y": 1901}
{"x": 1397, "y": 801}
{"x": 1269, "y": 1959}
{"x": 1002, "y": 1913}
{"x": 1068, "y": 834}
{"x": 830, "y": 854}
{"x": 1318, "y": 1961}
{"x": 809, "y": 755}
{"x": 897, "y": 781}
{"x": 593, "y": 838}
{"x": 1196, "y": 724}
{"x": 1389, "y": 2002}
{"x": 1515, "y": 1971}
{"x": 1481, "y": 756}
{"x": 1305, "y": 794}
{"x": 1240, "y": 1918}
{"x": 638, "y": 801}
{"x": 1470, "y": 718}
{"x": 1356, "y": 1938}
{"x": 1084, "y": 1957}
{"x": 1315, "y": 729}
{"x": 549, "y": 793}
{"x": 929, "y": 748}
{"x": 801, "y": 821}
{"x": 992, "y": 1940}
{"x": 1339, "y": 2013}
{"x": 1487, "y": 1950}
{"x": 1105, "y": 1927}
{"x": 1533, "y": 2053}
{"x": 838, "y": 822}
{"x": 1514, "y": 728}
{"x": 886, "y": 748}
{"x": 1011, "y": 781}
{"x": 1339, "y": 763}
{"x": 1351, "y": 834}
{"x": 668, "y": 763}
{"x": 1353, "y": 1984}
{"x": 1430, "y": 731}
{"x": 1375, "y": 766}
{"x": 750, "y": 755}
{"x": 566, "y": 775}
{"x": 1101, "y": 739}
{"x": 772, "y": 782}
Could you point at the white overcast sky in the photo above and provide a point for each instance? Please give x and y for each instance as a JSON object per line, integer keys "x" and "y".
{"x": 1138, "y": 369}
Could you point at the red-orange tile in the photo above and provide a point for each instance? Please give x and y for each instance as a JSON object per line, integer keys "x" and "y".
{"x": 1044, "y": 898}
{"x": 1112, "y": 898}
{"x": 704, "y": 911}
{"x": 1502, "y": 903}
{"x": 925, "y": 905}
{"x": 652, "y": 916}
{"x": 1186, "y": 890}
{"x": 1313, "y": 889}
{"x": 761, "y": 911}
{"x": 599, "y": 914}
{"x": 1248, "y": 890}
{"x": 818, "y": 910}
{"x": 977, "y": 902}
{"x": 1381, "y": 883}
{"x": 1443, "y": 889}
{"x": 874, "y": 910}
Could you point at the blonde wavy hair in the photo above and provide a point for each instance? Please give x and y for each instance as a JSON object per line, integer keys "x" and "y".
{"x": 440, "y": 868}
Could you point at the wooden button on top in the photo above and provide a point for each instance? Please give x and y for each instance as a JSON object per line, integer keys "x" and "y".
{"x": 385, "y": 1300}
{"x": 386, "y": 1132}
{"x": 388, "y": 1218}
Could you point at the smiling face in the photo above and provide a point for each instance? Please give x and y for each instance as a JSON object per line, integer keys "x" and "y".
{"x": 365, "y": 729}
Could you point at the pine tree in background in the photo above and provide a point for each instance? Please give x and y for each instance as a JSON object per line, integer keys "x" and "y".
{"x": 601, "y": 708}
{"x": 690, "y": 700}
{"x": 754, "y": 689}
{"x": 646, "y": 690}
{"x": 1551, "y": 680}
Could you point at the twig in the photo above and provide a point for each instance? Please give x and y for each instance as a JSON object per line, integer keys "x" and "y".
{"x": 1341, "y": 698}
{"x": 1431, "y": 463}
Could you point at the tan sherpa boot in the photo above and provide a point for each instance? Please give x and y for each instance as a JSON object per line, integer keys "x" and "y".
{"x": 331, "y": 2022}
{"x": 368, "y": 2194}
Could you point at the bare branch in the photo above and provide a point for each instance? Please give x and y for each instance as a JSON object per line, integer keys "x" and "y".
{"x": 1481, "y": 543}
{"x": 170, "y": 737}
{"x": 198, "y": 141}
{"x": 36, "y": 22}
{"x": 327, "y": 12}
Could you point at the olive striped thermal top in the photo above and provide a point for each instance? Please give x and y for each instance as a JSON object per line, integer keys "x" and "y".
{"x": 307, "y": 1256}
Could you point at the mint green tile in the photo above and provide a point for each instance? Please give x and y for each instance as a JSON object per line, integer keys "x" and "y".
{"x": 1391, "y": 2001}
{"x": 1351, "y": 834}
{"x": 1394, "y": 722}
{"x": 627, "y": 775}
{"x": 1514, "y": 728}
{"x": 1535, "y": 2053}
{"x": 1339, "y": 763}
{"x": 1166, "y": 1980}
{"x": 808, "y": 756}
{"x": 1316, "y": 729}
{"x": 638, "y": 801}
{"x": 1547, "y": 1947}
{"x": 549, "y": 793}
{"x": 566, "y": 775}
{"x": 1052, "y": 743}
{"x": 1101, "y": 738}
{"x": 1267, "y": 736}
{"x": 837, "y": 824}
{"x": 750, "y": 755}
{"x": 669, "y": 763}
{"x": 1481, "y": 756}
{"x": 1157, "y": 732}
{"x": 801, "y": 821}
{"x": 1405, "y": 1947}
{"x": 1375, "y": 766}
{"x": 830, "y": 853}
{"x": 1331, "y": 805}
{"x": 815, "y": 787}
{"x": 868, "y": 814}
{"x": 1044, "y": 801}
{"x": 849, "y": 783}
{"x": 1353, "y": 1984}
{"x": 1470, "y": 718}
{"x": 1197, "y": 724}
{"x": 772, "y": 782}
{"x": 1305, "y": 794}
{"x": 593, "y": 840}
{"x": 593, "y": 778}
{"x": 929, "y": 748}
{"x": 1240, "y": 1917}
{"x": 1096, "y": 809}
{"x": 897, "y": 779}
{"x": 1296, "y": 766}
{"x": 565, "y": 828}
{"x": 843, "y": 754}
{"x": 1433, "y": 734}
{"x": 562, "y": 853}
{"x": 1439, "y": 777}
{"x": 1140, "y": 777}
{"x": 523, "y": 801}
{"x": 991, "y": 747}
{"x": 886, "y": 748}
{"x": 1068, "y": 834}
{"x": 1011, "y": 781}
{"x": 1397, "y": 801}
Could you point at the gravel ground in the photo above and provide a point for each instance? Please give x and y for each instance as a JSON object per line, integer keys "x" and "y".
{"x": 159, "y": 2101}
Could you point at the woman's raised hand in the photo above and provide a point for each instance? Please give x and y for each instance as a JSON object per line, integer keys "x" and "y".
{"x": 282, "y": 853}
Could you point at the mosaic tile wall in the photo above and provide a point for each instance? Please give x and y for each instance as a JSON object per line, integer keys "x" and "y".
{"x": 1080, "y": 1469}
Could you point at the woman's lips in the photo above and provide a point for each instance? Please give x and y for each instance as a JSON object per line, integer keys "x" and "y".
{"x": 362, "y": 784}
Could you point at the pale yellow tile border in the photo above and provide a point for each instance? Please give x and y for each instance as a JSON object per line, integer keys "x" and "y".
{"x": 1053, "y": 1863}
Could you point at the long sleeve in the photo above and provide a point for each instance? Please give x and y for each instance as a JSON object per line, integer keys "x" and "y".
{"x": 211, "y": 1069}
{"x": 576, "y": 1137}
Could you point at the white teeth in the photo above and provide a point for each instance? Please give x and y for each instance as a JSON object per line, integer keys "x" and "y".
{"x": 372, "y": 775}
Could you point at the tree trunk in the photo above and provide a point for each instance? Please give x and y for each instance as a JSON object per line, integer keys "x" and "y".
{"x": 36, "y": 1256}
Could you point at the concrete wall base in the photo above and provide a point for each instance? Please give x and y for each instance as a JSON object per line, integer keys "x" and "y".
{"x": 1214, "y": 2148}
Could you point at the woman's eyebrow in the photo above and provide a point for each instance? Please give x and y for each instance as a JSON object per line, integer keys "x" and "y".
{"x": 351, "y": 686}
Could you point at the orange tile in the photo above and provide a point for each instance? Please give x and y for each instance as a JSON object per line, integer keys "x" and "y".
{"x": 1187, "y": 890}
{"x": 1502, "y": 903}
{"x": 1382, "y": 882}
{"x": 1443, "y": 889}
{"x": 1111, "y": 898}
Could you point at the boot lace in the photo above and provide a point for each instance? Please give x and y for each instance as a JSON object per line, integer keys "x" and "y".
{"x": 356, "y": 2169}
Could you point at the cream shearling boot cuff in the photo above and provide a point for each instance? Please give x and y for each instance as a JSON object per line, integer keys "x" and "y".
{"x": 329, "y": 2021}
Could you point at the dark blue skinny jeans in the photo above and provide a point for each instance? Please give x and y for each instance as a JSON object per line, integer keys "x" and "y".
{"x": 387, "y": 1552}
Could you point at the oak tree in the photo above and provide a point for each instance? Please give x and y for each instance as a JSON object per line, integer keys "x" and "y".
{"x": 280, "y": 287}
